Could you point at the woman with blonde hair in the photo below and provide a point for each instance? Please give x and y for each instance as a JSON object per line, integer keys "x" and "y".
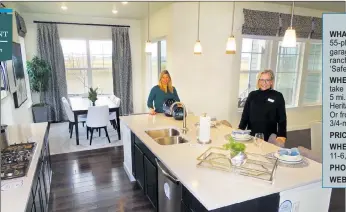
{"x": 264, "y": 110}
{"x": 161, "y": 92}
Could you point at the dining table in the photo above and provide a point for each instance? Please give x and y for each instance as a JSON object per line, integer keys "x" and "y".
{"x": 80, "y": 106}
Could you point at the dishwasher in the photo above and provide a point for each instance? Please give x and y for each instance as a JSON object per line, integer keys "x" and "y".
{"x": 169, "y": 190}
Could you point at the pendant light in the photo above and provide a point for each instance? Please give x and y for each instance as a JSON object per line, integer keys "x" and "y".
{"x": 148, "y": 43}
{"x": 198, "y": 47}
{"x": 290, "y": 39}
{"x": 231, "y": 44}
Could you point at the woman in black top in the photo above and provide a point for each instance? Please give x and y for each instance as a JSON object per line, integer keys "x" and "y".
{"x": 264, "y": 110}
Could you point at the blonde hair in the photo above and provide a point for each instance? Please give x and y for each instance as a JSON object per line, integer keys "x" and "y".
{"x": 266, "y": 71}
{"x": 169, "y": 85}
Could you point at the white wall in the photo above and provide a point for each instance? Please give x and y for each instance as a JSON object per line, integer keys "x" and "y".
{"x": 77, "y": 31}
{"x": 9, "y": 114}
{"x": 210, "y": 82}
{"x": 160, "y": 26}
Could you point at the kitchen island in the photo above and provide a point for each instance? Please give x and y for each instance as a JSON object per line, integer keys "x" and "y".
{"x": 31, "y": 192}
{"x": 204, "y": 189}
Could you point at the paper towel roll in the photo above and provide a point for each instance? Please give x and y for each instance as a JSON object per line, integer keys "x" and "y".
{"x": 204, "y": 129}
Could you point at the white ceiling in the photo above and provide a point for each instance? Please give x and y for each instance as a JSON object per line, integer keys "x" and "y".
{"x": 137, "y": 10}
{"x": 132, "y": 10}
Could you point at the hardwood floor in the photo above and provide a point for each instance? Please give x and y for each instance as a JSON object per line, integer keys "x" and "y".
{"x": 94, "y": 181}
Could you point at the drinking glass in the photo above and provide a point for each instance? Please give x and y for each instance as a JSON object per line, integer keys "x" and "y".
{"x": 259, "y": 139}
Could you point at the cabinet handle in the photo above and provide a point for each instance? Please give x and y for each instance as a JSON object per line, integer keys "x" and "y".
{"x": 165, "y": 173}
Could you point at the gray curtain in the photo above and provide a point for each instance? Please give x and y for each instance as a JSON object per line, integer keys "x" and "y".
{"x": 122, "y": 68}
{"x": 50, "y": 50}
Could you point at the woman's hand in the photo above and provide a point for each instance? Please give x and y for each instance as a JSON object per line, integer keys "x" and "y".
{"x": 152, "y": 111}
{"x": 281, "y": 140}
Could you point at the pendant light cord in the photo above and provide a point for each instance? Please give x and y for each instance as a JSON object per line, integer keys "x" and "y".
{"x": 148, "y": 18}
{"x": 199, "y": 6}
{"x": 233, "y": 17}
{"x": 292, "y": 13}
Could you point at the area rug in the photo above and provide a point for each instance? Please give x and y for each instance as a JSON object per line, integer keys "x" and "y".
{"x": 60, "y": 141}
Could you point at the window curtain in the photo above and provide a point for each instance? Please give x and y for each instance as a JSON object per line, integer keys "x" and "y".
{"x": 263, "y": 23}
{"x": 122, "y": 68}
{"x": 50, "y": 50}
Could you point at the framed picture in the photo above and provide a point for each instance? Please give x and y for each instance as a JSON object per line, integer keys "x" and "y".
{"x": 20, "y": 94}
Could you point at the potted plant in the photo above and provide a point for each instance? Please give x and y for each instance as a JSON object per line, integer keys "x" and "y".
{"x": 92, "y": 95}
{"x": 39, "y": 72}
{"x": 237, "y": 153}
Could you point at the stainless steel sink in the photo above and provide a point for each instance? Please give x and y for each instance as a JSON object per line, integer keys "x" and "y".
{"x": 171, "y": 140}
{"x": 159, "y": 133}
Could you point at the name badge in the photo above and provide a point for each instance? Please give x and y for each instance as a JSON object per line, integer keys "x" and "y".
{"x": 270, "y": 100}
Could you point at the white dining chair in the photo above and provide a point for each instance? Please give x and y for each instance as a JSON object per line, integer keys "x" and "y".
{"x": 113, "y": 115}
{"x": 70, "y": 116}
{"x": 97, "y": 118}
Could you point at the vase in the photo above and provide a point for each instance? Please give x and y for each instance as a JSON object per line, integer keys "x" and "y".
{"x": 93, "y": 103}
{"x": 238, "y": 158}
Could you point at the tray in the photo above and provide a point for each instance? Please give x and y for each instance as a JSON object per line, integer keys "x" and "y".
{"x": 257, "y": 166}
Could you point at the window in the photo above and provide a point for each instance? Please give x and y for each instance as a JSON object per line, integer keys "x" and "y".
{"x": 313, "y": 81}
{"x": 88, "y": 63}
{"x": 158, "y": 60}
{"x": 260, "y": 54}
{"x": 254, "y": 58}
{"x": 287, "y": 72}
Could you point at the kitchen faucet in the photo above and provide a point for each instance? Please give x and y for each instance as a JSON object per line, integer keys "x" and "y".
{"x": 184, "y": 111}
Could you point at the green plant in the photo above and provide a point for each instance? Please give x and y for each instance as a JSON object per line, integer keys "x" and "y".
{"x": 92, "y": 95}
{"x": 39, "y": 72}
{"x": 234, "y": 147}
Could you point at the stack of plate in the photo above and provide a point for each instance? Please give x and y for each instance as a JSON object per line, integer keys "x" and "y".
{"x": 291, "y": 156}
{"x": 241, "y": 135}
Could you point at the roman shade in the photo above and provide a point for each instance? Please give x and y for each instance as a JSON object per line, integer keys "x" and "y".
{"x": 316, "y": 28}
{"x": 264, "y": 23}
{"x": 260, "y": 23}
{"x": 302, "y": 25}
{"x": 21, "y": 28}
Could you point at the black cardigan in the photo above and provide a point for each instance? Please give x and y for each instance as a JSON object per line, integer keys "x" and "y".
{"x": 265, "y": 112}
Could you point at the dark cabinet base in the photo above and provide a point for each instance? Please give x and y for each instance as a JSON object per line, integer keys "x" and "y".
{"x": 40, "y": 190}
{"x": 144, "y": 169}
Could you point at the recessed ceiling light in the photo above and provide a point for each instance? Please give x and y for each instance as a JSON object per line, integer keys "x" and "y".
{"x": 114, "y": 11}
{"x": 124, "y": 2}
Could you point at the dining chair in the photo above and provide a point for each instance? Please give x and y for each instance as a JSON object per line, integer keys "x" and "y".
{"x": 70, "y": 116}
{"x": 113, "y": 115}
{"x": 97, "y": 118}
{"x": 82, "y": 117}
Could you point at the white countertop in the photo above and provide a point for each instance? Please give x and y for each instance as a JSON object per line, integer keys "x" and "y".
{"x": 213, "y": 188}
{"x": 15, "y": 199}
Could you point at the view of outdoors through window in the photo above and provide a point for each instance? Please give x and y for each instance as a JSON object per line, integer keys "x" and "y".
{"x": 158, "y": 60}
{"x": 88, "y": 63}
{"x": 260, "y": 54}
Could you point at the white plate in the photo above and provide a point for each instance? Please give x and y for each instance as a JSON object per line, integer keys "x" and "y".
{"x": 242, "y": 139}
{"x": 238, "y": 139}
{"x": 289, "y": 159}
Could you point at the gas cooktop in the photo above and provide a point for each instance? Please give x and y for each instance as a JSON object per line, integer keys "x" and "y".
{"x": 15, "y": 160}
